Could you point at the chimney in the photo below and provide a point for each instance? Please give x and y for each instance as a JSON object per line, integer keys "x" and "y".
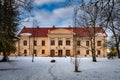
{"x": 53, "y": 26}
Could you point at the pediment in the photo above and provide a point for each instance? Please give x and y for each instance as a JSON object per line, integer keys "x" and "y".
{"x": 60, "y": 31}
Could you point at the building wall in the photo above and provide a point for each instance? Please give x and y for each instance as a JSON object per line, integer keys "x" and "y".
{"x": 56, "y": 50}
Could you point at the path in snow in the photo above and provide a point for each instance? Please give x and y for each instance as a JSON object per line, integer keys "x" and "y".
{"x": 50, "y": 71}
{"x": 22, "y": 68}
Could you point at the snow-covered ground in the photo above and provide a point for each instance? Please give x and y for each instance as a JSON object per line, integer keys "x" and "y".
{"x": 22, "y": 68}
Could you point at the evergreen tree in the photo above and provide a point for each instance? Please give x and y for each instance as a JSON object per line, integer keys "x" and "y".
{"x": 8, "y": 27}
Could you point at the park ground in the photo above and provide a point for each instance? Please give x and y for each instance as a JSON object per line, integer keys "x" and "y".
{"x": 22, "y": 68}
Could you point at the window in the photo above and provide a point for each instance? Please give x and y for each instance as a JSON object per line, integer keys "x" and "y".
{"x": 87, "y": 52}
{"x": 98, "y": 43}
{"x": 52, "y": 42}
{"x": 60, "y": 52}
{"x": 52, "y": 53}
{"x": 25, "y": 52}
{"x": 78, "y": 52}
{"x": 43, "y": 43}
{"x": 43, "y": 51}
{"x": 35, "y": 52}
{"x": 67, "y": 42}
{"x": 87, "y": 43}
{"x": 59, "y": 42}
{"x": 67, "y": 52}
{"x": 25, "y": 42}
{"x": 78, "y": 43}
{"x": 98, "y": 52}
{"x": 35, "y": 43}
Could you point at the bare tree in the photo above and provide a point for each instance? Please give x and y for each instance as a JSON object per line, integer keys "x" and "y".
{"x": 111, "y": 17}
{"x": 75, "y": 35}
{"x": 89, "y": 19}
{"x": 76, "y": 62}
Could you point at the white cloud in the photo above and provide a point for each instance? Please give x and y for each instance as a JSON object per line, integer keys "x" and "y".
{"x": 63, "y": 12}
{"x": 41, "y": 2}
{"x": 59, "y": 17}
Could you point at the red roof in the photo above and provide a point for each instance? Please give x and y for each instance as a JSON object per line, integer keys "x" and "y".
{"x": 42, "y": 32}
{"x": 88, "y": 31}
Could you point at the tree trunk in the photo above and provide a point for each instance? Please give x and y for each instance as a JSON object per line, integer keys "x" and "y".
{"x": 94, "y": 59}
{"x": 5, "y": 57}
{"x": 76, "y": 64}
{"x": 118, "y": 51}
{"x": 94, "y": 56}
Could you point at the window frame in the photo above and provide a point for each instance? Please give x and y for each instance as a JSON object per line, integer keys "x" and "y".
{"x": 35, "y": 43}
{"x": 87, "y": 43}
{"x": 43, "y": 42}
{"x": 68, "y": 42}
{"x": 78, "y": 43}
{"x": 99, "y": 43}
{"x": 25, "y": 51}
{"x": 60, "y": 42}
{"x": 25, "y": 42}
{"x": 52, "y": 42}
{"x": 43, "y": 51}
{"x": 98, "y": 52}
{"x": 87, "y": 52}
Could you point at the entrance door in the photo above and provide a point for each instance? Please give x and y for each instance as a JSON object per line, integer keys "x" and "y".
{"x": 52, "y": 53}
{"x": 59, "y": 53}
{"x": 67, "y": 52}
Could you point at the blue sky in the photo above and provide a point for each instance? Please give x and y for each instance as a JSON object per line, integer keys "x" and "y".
{"x": 48, "y": 13}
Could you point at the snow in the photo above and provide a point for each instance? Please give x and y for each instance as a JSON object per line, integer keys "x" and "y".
{"x": 22, "y": 68}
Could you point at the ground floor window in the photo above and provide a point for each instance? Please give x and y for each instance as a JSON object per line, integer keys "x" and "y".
{"x": 35, "y": 52}
{"x": 25, "y": 52}
{"x": 43, "y": 51}
{"x": 87, "y": 52}
{"x": 98, "y": 52}
{"x": 78, "y": 52}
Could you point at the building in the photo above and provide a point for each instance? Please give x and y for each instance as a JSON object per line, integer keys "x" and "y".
{"x": 60, "y": 41}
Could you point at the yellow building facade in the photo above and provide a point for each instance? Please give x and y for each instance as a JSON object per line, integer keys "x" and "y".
{"x": 58, "y": 42}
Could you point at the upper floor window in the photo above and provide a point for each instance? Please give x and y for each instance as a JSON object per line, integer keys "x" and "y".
{"x": 43, "y": 43}
{"x": 87, "y": 43}
{"x": 78, "y": 43}
{"x": 52, "y": 42}
{"x": 67, "y": 42}
{"x": 35, "y": 43}
{"x": 98, "y": 43}
{"x": 25, "y": 42}
{"x": 59, "y": 42}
